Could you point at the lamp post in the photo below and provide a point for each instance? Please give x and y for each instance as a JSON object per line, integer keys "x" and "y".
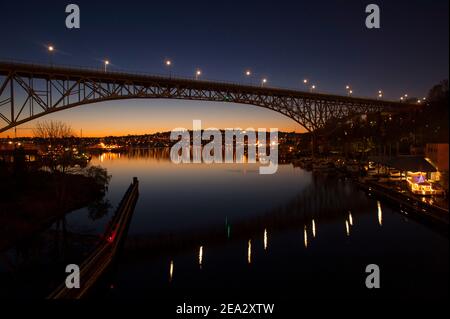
{"x": 198, "y": 73}
{"x": 248, "y": 74}
{"x": 305, "y": 83}
{"x": 105, "y": 65}
{"x": 168, "y": 64}
{"x": 313, "y": 87}
{"x": 50, "y": 50}
{"x": 263, "y": 81}
{"x": 347, "y": 87}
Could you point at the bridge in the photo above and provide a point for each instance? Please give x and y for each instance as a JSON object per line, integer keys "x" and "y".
{"x": 29, "y": 91}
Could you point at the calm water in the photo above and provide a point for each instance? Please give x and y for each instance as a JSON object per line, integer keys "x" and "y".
{"x": 224, "y": 230}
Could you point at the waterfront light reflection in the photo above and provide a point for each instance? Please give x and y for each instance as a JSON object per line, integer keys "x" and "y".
{"x": 380, "y": 214}
{"x": 265, "y": 239}
{"x": 249, "y": 251}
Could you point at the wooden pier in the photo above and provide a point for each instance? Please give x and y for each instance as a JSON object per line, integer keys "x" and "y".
{"x": 102, "y": 257}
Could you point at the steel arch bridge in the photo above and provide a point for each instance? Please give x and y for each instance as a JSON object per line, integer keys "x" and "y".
{"x": 29, "y": 91}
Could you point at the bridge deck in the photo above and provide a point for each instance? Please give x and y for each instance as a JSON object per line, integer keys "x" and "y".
{"x": 74, "y": 73}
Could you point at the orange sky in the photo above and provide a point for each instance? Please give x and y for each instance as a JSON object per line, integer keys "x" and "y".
{"x": 150, "y": 116}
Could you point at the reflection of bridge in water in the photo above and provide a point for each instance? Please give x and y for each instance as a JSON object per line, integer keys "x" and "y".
{"x": 30, "y": 91}
{"x": 336, "y": 201}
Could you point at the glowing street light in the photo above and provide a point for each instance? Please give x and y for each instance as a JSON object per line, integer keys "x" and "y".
{"x": 263, "y": 81}
{"x": 50, "y": 50}
{"x": 305, "y": 83}
{"x": 198, "y": 73}
{"x": 168, "y": 64}
{"x": 313, "y": 87}
{"x": 105, "y": 64}
{"x": 349, "y": 91}
{"x": 248, "y": 74}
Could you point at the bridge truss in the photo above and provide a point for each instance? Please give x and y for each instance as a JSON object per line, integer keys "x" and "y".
{"x": 30, "y": 91}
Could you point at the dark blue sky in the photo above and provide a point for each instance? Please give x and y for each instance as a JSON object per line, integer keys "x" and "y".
{"x": 324, "y": 41}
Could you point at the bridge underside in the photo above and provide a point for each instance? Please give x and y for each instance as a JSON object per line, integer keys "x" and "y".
{"x": 28, "y": 92}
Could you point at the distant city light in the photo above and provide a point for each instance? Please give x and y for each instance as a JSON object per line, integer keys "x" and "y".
{"x": 51, "y": 48}
{"x": 248, "y": 72}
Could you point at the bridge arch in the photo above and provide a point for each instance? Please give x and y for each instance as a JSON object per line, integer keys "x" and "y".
{"x": 48, "y": 89}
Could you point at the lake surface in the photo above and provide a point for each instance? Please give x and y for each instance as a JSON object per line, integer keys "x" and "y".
{"x": 224, "y": 230}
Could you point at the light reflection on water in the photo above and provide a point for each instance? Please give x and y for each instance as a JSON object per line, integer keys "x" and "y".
{"x": 224, "y": 208}
{"x": 215, "y": 223}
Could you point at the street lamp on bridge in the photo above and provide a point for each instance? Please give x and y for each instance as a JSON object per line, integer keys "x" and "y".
{"x": 349, "y": 90}
{"x": 105, "y": 65}
{"x": 168, "y": 64}
{"x": 198, "y": 73}
{"x": 305, "y": 83}
{"x": 380, "y": 94}
{"x": 248, "y": 74}
{"x": 50, "y": 50}
{"x": 263, "y": 81}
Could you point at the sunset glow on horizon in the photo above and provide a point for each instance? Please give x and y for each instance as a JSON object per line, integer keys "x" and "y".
{"x": 137, "y": 117}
